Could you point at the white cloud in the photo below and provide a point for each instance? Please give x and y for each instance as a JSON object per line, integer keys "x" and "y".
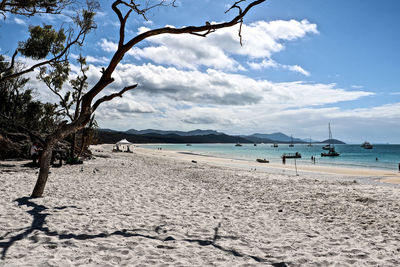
{"x": 265, "y": 64}
{"x": 19, "y": 21}
{"x": 270, "y": 63}
{"x": 123, "y": 107}
{"x": 108, "y": 46}
{"x": 260, "y": 40}
{"x": 179, "y": 99}
{"x": 94, "y": 60}
{"x": 297, "y": 68}
{"x": 168, "y": 98}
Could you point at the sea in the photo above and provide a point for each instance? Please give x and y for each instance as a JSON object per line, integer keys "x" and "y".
{"x": 384, "y": 157}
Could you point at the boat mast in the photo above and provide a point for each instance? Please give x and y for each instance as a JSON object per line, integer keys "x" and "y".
{"x": 330, "y": 136}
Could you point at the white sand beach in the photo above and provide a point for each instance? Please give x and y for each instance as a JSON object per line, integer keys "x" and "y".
{"x": 158, "y": 208}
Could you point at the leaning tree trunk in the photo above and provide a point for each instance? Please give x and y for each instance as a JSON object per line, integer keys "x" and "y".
{"x": 63, "y": 131}
{"x": 44, "y": 167}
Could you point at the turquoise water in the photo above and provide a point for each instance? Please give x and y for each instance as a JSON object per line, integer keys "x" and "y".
{"x": 350, "y": 155}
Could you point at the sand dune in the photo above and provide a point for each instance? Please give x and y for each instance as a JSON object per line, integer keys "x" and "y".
{"x": 157, "y": 210}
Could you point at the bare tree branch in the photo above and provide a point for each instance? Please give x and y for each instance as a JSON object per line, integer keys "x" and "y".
{"x": 112, "y": 96}
{"x": 235, "y": 5}
{"x": 142, "y": 12}
{"x": 106, "y": 77}
{"x": 64, "y": 104}
{"x": 191, "y": 29}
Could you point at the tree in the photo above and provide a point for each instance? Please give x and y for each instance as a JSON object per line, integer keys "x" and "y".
{"x": 19, "y": 110}
{"x": 45, "y": 41}
{"x": 54, "y": 76}
{"x": 17, "y": 104}
{"x": 88, "y": 107}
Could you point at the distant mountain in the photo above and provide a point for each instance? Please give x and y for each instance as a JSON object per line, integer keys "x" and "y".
{"x": 334, "y": 141}
{"x": 106, "y": 130}
{"x": 196, "y": 136}
{"x": 180, "y": 133}
{"x": 277, "y": 137}
{"x": 113, "y": 137}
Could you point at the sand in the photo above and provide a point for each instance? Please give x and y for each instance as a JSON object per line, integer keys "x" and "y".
{"x": 158, "y": 208}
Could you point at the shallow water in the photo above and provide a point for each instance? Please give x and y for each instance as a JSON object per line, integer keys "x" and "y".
{"x": 350, "y": 155}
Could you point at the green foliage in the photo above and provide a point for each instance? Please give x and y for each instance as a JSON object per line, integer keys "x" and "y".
{"x": 42, "y": 41}
{"x": 32, "y": 7}
{"x": 85, "y": 19}
{"x": 55, "y": 75}
{"x": 17, "y": 104}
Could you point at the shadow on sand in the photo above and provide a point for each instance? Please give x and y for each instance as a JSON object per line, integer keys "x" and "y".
{"x": 38, "y": 223}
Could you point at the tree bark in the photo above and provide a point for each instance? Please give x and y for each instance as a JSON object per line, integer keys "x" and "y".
{"x": 73, "y": 144}
{"x": 44, "y": 168}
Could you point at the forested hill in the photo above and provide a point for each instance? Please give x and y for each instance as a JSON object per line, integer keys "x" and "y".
{"x": 113, "y": 137}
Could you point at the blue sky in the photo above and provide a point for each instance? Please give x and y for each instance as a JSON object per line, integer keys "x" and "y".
{"x": 303, "y": 63}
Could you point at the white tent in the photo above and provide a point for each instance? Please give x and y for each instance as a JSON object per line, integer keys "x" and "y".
{"x": 123, "y": 145}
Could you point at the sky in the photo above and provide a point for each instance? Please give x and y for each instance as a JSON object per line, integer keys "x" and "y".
{"x": 303, "y": 64}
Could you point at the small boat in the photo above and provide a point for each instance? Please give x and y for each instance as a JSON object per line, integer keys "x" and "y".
{"x": 238, "y": 144}
{"x": 367, "y": 145}
{"x": 330, "y": 147}
{"x": 275, "y": 145}
{"x": 291, "y": 141}
{"x": 262, "y": 160}
{"x": 296, "y": 155}
{"x": 331, "y": 153}
{"x": 255, "y": 144}
{"x": 188, "y": 144}
{"x": 327, "y": 147}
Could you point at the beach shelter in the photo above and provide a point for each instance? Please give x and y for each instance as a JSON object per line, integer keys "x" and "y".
{"x": 123, "y": 145}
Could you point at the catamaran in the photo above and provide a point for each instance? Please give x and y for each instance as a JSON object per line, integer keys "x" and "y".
{"x": 330, "y": 147}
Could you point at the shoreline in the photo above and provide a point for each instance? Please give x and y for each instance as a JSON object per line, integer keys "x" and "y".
{"x": 384, "y": 176}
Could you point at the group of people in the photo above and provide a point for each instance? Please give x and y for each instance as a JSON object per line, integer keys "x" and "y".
{"x": 313, "y": 159}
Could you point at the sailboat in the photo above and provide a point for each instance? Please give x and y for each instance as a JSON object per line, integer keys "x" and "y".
{"x": 331, "y": 152}
{"x": 291, "y": 141}
{"x": 310, "y": 142}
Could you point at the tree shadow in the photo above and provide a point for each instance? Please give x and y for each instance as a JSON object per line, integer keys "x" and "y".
{"x": 39, "y": 218}
{"x": 2, "y": 165}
